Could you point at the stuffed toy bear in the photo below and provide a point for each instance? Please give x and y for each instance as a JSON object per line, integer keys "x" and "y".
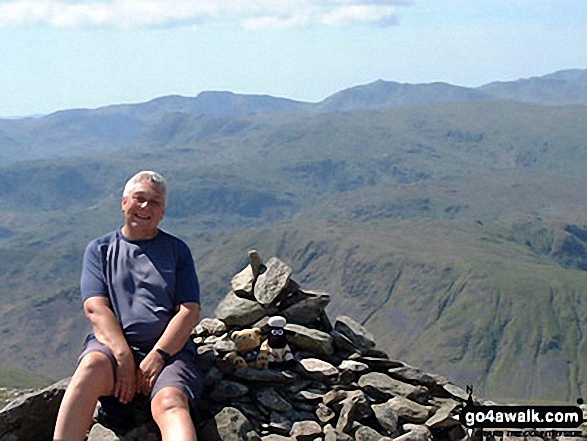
{"x": 248, "y": 353}
{"x": 276, "y": 347}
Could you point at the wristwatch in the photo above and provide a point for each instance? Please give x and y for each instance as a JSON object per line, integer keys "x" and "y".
{"x": 164, "y": 355}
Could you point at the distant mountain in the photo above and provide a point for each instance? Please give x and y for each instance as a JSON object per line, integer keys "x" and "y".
{"x": 387, "y": 94}
{"x": 85, "y": 132}
{"x": 566, "y": 87}
{"x": 208, "y": 103}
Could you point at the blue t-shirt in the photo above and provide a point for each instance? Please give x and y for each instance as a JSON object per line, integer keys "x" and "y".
{"x": 145, "y": 280}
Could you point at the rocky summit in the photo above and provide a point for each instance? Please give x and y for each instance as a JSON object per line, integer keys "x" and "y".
{"x": 338, "y": 387}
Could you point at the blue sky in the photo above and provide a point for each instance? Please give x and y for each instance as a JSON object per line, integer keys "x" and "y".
{"x": 61, "y": 54}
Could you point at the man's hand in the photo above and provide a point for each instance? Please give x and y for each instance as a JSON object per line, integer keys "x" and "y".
{"x": 148, "y": 371}
{"x": 126, "y": 385}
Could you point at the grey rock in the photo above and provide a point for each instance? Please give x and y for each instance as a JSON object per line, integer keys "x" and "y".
{"x": 355, "y": 332}
{"x": 271, "y": 283}
{"x": 309, "y": 395}
{"x": 256, "y": 263}
{"x": 331, "y": 434}
{"x": 212, "y": 377}
{"x": 224, "y": 345}
{"x": 32, "y": 416}
{"x": 264, "y": 375}
{"x": 442, "y": 418}
{"x": 382, "y": 387}
{"x": 324, "y": 413}
{"x": 101, "y": 433}
{"x": 269, "y": 398}
{"x": 354, "y": 407}
{"x": 415, "y": 433}
{"x": 410, "y": 374}
{"x": 236, "y": 311}
{"x": 353, "y": 366}
{"x": 306, "y": 430}
{"x": 365, "y": 433}
{"x": 386, "y": 416}
{"x": 227, "y": 390}
{"x": 333, "y": 398}
{"x": 210, "y": 326}
{"x": 342, "y": 343}
{"x": 308, "y": 310}
{"x": 318, "y": 369}
{"x": 281, "y": 423}
{"x": 311, "y": 340}
{"x": 409, "y": 410}
{"x": 377, "y": 364}
{"x": 242, "y": 283}
{"x": 456, "y": 391}
{"x": 232, "y": 425}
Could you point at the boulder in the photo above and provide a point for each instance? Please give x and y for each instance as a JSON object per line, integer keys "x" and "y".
{"x": 271, "y": 283}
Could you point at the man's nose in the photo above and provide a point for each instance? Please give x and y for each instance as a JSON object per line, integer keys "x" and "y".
{"x": 144, "y": 204}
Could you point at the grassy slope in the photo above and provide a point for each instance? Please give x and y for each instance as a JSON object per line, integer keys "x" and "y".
{"x": 13, "y": 378}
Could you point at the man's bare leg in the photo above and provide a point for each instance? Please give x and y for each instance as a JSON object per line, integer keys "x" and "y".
{"x": 92, "y": 379}
{"x": 171, "y": 412}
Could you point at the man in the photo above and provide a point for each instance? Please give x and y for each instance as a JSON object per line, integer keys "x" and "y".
{"x": 141, "y": 294}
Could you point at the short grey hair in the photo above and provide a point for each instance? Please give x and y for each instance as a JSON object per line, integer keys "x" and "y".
{"x": 146, "y": 176}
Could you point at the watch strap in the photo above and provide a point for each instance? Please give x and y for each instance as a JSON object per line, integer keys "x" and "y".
{"x": 164, "y": 355}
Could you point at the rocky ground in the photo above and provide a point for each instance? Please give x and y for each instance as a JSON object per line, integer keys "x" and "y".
{"x": 339, "y": 387}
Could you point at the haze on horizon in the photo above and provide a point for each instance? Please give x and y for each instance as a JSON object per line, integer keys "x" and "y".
{"x": 62, "y": 54}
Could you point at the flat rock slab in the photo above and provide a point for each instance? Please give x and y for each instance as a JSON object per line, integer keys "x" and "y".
{"x": 311, "y": 340}
{"x": 409, "y": 410}
{"x": 227, "y": 390}
{"x": 264, "y": 375}
{"x": 355, "y": 332}
{"x": 306, "y": 430}
{"x": 318, "y": 369}
{"x": 270, "y": 399}
{"x": 382, "y": 387}
{"x": 236, "y": 311}
{"x": 308, "y": 309}
{"x": 270, "y": 284}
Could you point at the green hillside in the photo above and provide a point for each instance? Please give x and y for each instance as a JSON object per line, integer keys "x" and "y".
{"x": 13, "y": 378}
{"x": 456, "y": 232}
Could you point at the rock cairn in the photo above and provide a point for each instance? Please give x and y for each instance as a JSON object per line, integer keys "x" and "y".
{"x": 341, "y": 387}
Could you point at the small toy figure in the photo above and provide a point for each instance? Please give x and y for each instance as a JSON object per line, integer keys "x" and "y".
{"x": 247, "y": 352}
{"x": 276, "y": 347}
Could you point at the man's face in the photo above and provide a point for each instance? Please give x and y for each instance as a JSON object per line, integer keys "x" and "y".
{"x": 143, "y": 208}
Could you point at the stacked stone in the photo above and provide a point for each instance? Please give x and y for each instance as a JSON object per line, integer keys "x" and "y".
{"x": 341, "y": 388}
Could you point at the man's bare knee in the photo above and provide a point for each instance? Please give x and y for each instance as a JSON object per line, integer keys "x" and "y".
{"x": 169, "y": 399}
{"x": 96, "y": 369}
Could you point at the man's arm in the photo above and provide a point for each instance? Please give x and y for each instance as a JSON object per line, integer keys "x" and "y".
{"x": 172, "y": 341}
{"x": 108, "y": 331}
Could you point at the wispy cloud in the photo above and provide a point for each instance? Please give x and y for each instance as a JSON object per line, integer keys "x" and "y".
{"x": 252, "y": 14}
{"x": 376, "y": 14}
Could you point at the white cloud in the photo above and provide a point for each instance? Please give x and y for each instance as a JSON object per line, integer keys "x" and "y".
{"x": 274, "y": 22}
{"x": 380, "y": 15}
{"x": 251, "y": 14}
